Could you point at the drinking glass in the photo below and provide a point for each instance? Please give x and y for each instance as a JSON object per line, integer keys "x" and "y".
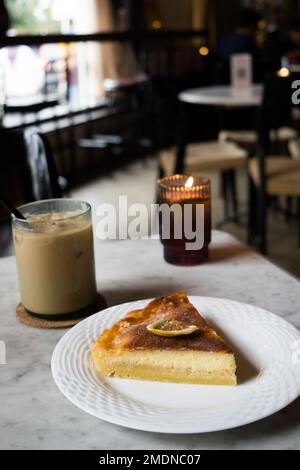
{"x": 55, "y": 258}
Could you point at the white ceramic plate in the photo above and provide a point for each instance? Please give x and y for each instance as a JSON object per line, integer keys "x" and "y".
{"x": 268, "y": 373}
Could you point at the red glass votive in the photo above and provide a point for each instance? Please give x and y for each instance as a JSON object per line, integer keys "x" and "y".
{"x": 185, "y": 191}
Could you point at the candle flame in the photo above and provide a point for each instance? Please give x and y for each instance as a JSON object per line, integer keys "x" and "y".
{"x": 190, "y": 183}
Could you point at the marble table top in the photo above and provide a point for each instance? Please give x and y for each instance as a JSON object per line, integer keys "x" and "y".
{"x": 224, "y": 96}
{"x": 35, "y": 415}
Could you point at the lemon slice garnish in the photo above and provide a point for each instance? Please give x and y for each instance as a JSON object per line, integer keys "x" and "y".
{"x": 171, "y": 328}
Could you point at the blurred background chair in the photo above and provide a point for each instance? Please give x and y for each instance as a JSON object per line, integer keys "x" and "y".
{"x": 294, "y": 148}
{"x": 271, "y": 176}
{"x": 29, "y": 174}
{"x": 280, "y": 138}
{"x": 32, "y": 153}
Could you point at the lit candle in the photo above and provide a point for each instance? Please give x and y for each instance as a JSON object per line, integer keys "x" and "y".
{"x": 190, "y": 199}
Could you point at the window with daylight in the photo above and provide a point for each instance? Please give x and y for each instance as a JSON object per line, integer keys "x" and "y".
{"x": 56, "y": 70}
{"x": 73, "y": 72}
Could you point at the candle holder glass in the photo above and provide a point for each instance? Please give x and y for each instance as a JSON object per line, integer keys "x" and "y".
{"x": 184, "y": 191}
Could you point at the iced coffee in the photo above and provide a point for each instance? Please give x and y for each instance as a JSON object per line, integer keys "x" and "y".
{"x": 55, "y": 258}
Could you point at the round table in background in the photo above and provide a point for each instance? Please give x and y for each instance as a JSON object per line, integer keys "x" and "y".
{"x": 224, "y": 96}
{"x": 218, "y": 96}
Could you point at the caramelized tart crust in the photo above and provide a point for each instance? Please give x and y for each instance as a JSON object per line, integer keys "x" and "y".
{"x": 131, "y": 333}
{"x": 128, "y": 350}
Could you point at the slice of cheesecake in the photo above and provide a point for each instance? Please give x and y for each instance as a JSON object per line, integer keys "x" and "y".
{"x": 130, "y": 349}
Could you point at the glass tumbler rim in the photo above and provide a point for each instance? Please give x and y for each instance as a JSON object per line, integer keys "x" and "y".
{"x": 80, "y": 213}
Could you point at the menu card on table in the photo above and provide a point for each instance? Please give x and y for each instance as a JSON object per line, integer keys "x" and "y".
{"x": 241, "y": 71}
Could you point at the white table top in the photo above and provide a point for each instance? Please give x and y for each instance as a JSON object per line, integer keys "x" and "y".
{"x": 35, "y": 415}
{"x": 224, "y": 96}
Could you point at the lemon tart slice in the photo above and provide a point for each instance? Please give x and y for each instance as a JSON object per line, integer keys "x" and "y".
{"x": 167, "y": 341}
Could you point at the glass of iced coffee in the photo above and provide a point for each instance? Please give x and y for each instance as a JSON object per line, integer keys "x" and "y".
{"x": 55, "y": 258}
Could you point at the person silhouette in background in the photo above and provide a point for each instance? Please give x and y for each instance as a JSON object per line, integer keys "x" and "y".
{"x": 4, "y": 19}
{"x": 241, "y": 41}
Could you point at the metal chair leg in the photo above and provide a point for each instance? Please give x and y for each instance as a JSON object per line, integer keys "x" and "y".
{"x": 233, "y": 195}
{"x": 262, "y": 222}
{"x": 182, "y": 139}
{"x": 225, "y": 195}
{"x": 252, "y": 218}
{"x": 288, "y": 210}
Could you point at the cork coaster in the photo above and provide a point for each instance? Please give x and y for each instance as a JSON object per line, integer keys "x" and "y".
{"x": 35, "y": 322}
